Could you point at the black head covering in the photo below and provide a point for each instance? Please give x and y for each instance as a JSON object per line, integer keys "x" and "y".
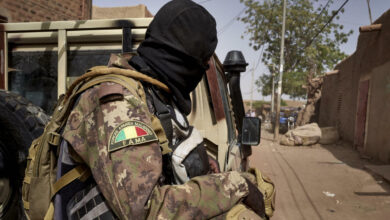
{"x": 178, "y": 43}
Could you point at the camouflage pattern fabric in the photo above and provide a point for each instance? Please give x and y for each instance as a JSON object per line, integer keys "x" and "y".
{"x": 121, "y": 60}
{"x": 129, "y": 176}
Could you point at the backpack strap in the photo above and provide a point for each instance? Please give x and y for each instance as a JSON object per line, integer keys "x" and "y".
{"x": 163, "y": 114}
{"x": 100, "y": 70}
{"x": 81, "y": 172}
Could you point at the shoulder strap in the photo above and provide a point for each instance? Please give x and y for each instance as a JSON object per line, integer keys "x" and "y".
{"x": 80, "y": 172}
{"x": 99, "y": 71}
{"x": 163, "y": 113}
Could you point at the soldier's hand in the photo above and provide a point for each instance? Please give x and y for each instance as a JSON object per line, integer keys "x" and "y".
{"x": 255, "y": 200}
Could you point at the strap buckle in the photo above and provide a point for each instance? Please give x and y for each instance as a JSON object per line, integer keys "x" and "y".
{"x": 54, "y": 138}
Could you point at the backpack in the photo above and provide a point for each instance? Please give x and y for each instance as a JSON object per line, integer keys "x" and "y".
{"x": 39, "y": 184}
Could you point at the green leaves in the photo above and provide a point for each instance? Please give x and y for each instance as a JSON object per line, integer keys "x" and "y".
{"x": 302, "y": 52}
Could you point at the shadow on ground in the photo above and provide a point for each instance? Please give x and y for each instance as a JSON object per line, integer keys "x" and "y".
{"x": 344, "y": 152}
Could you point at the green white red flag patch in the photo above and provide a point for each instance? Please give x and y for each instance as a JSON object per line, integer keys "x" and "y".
{"x": 130, "y": 133}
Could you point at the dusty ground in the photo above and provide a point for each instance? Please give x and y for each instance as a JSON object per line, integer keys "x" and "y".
{"x": 321, "y": 182}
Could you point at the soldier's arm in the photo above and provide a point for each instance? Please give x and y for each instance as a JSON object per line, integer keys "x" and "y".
{"x": 128, "y": 173}
{"x": 202, "y": 197}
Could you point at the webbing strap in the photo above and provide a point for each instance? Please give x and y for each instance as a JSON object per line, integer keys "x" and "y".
{"x": 26, "y": 205}
{"x": 81, "y": 172}
{"x": 50, "y": 212}
{"x": 163, "y": 113}
{"x": 162, "y": 138}
{"x": 27, "y": 179}
{"x": 267, "y": 187}
{"x": 121, "y": 80}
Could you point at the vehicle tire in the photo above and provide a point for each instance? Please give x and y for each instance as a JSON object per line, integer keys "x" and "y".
{"x": 20, "y": 123}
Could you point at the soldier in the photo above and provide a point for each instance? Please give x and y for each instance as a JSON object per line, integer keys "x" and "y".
{"x": 112, "y": 130}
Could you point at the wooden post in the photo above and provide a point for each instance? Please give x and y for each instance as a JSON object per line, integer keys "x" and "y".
{"x": 62, "y": 62}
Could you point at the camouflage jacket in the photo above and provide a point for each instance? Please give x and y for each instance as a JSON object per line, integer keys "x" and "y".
{"x": 128, "y": 176}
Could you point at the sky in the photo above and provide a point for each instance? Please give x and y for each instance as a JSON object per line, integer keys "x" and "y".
{"x": 230, "y": 30}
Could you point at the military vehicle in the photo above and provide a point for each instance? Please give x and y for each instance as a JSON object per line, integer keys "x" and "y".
{"x": 40, "y": 60}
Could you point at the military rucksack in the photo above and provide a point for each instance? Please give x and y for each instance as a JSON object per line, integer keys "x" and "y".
{"x": 39, "y": 184}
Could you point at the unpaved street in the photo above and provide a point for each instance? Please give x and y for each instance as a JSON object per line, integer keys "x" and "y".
{"x": 321, "y": 182}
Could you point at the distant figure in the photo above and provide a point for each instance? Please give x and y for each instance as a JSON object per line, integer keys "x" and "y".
{"x": 248, "y": 113}
{"x": 253, "y": 113}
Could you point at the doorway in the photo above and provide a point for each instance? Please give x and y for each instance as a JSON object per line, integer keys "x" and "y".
{"x": 361, "y": 114}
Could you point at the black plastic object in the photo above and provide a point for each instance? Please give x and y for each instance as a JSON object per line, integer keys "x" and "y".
{"x": 250, "y": 131}
{"x": 126, "y": 40}
{"x": 234, "y": 64}
{"x": 126, "y": 25}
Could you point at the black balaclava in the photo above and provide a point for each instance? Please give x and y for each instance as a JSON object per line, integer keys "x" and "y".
{"x": 178, "y": 43}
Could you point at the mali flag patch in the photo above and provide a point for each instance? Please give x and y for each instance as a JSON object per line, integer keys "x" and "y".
{"x": 130, "y": 133}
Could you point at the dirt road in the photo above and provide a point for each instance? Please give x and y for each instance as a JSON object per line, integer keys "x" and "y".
{"x": 321, "y": 182}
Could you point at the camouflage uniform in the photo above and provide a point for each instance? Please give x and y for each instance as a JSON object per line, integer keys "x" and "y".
{"x": 129, "y": 177}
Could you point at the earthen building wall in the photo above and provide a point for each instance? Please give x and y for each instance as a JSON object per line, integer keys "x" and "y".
{"x": 328, "y": 107}
{"x": 45, "y": 10}
{"x": 378, "y": 116}
{"x": 138, "y": 11}
{"x": 339, "y": 102}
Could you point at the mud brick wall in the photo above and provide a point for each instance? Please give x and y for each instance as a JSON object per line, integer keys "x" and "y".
{"x": 339, "y": 103}
{"x": 45, "y": 10}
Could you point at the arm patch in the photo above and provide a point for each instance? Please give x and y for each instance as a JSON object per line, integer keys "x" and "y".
{"x": 131, "y": 133}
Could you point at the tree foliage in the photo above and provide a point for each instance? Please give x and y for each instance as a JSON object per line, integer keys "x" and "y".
{"x": 302, "y": 53}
